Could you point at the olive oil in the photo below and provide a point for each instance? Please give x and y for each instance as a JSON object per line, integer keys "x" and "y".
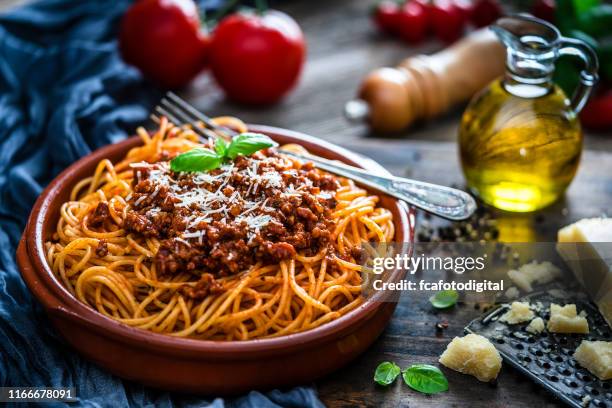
{"x": 520, "y": 150}
{"x": 520, "y": 139}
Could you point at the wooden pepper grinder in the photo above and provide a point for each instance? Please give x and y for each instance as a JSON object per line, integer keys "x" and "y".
{"x": 424, "y": 86}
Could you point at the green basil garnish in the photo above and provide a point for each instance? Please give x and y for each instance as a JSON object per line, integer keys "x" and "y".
{"x": 221, "y": 146}
{"x": 444, "y": 299}
{"x": 246, "y": 144}
{"x": 198, "y": 159}
{"x": 201, "y": 159}
{"x": 425, "y": 378}
{"x": 386, "y": 373}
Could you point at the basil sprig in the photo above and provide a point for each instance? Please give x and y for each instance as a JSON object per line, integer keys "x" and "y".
{"x": 444, "y": 299}
{"x": 202, "y": 159}
{"x": 425, "y": 378}
{"x": 386, "y": 373}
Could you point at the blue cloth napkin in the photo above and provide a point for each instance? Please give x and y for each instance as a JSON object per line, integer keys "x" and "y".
{"x": 64, "y": 92}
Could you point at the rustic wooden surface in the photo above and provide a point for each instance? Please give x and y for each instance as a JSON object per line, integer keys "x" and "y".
{"x": 342, "y": 48}
{"x": 411, "y": 336}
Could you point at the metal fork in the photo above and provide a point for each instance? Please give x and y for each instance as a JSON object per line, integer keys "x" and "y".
{"x": 439, "y": 200}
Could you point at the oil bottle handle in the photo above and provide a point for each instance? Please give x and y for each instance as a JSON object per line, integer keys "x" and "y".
{"x": 588, "y": 75}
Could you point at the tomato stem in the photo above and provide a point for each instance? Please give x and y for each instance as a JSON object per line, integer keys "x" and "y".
{"x": 223, "y": 10}
{"x": 262, "y": 6}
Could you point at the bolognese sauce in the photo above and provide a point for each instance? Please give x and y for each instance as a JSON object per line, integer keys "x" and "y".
{"x": 259, "y": 208}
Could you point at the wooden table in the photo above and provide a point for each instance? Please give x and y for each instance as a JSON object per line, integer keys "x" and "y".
{"x": 343, "y": 47}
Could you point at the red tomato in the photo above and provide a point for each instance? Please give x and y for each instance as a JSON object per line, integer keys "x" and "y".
{"x": 485, "y": 12}
{"x": 544, "y": 9}
{"x": 596, "y": 113}
{"x": 386, "y": 16}
{"x": 257, "y": 58}
{"x": 413, "y": 22}
{"x": 466, "y": 7}
{"x": 164, "y": 40}
{"x": 447, "y": 20}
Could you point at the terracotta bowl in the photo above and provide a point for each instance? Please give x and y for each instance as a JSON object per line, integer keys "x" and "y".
{"x": 191, "y": 365}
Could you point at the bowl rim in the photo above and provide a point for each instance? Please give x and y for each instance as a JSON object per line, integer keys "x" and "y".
{"x": 58, "y": 301}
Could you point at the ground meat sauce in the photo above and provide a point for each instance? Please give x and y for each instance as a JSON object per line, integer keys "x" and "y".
{"x": 259, "y": 208}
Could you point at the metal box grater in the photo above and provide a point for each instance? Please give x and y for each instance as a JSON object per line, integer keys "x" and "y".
{"x": 547, "y": 357}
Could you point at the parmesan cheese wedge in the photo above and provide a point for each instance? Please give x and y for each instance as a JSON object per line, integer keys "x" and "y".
{"x": 519, "y": 312}
{"x": 596, "y": 356}
{"x": 536, "y": 326}
{"x": 474, "y": 355}
{"x": 534, "y": 272}
{"x": 586, "y": 247}
{"x": 564, "y": 319}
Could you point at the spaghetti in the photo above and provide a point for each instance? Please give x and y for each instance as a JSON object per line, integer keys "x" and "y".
{"x": 264, "y": 246}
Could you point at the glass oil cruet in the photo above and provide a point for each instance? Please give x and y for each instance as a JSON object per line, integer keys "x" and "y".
{"x": 520, "y": 139}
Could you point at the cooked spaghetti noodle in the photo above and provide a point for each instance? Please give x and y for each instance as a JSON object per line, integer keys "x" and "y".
{"x": 110, "y": 249}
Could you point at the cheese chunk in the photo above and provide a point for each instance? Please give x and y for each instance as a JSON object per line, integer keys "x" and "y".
{"x": 474, "y": 355}
{"x": 534, "y": 272}
{"x": 519, "y": 312}
{"x": 564, "y": 319}
{"x": 596, "y": 356}
{"x": 586, "y": 247}
{"x": 536, "y": 326}
{"x": 512, "y": 293}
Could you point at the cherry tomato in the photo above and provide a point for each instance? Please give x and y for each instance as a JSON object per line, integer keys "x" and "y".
{"x": 466, "y": 7}
{"x": 544, "y": 9}
{"x": 164, "y": 40}
{"x": 413, "y": 22}
{"x": 257, "y": 58}
{"x": 386, "y": 16}
{"x": 485, "y": 12}
{"x": 447, "y": 20}
{"x": 596, "y": 113}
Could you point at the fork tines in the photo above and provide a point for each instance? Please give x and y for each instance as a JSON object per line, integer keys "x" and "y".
{"x": 181, "y": 113}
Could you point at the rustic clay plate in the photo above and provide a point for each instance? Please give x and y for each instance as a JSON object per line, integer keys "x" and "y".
{"x": 191, "y": 365}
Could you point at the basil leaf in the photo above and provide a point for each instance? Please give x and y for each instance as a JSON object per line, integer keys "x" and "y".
{"x": 444, "y": 299}
{"x": 197, "y": 159}
{"x": 220, "y": 146}
{"x": 425, "y": 378}
{"x": 246, "y": 144}
{"x": 386, "y": 373}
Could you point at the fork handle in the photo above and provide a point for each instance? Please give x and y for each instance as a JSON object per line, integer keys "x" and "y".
{"x": 442, "y": 201}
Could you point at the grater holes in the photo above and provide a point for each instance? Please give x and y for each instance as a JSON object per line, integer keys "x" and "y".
{"x": 564, "y": 370}
{"x": 606, "y": 386}
{"x": 577, "y": 394}
{"x": 599, "y": 403}
{"x": 591, "y": 390}
{"x": 570, "y": 383}
{"x": 552, "y": 377}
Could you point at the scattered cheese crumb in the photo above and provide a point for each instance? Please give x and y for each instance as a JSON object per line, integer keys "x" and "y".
{"x": 534, "y": 272}
{"x": 596, "y": 356}
{"x": 586, "y": 400}
{"x": 512, "y": 293}
{"x": 536, "y": 326}
{"x": 474, "y": 355}
{"x": 519, "y": 312}
{"x": 564, "y": 319}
